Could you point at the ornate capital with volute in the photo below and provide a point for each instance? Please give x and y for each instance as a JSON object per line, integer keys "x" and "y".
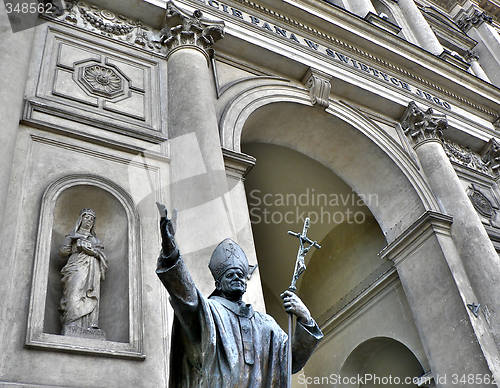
{"x": 319, "y": 87}
{"x": 491, "y": 155}
{"x": 474, "y": 20}
{"x": 422, "y": 125}
{"x": 183, "y": 29}
{"x": 471, "y": 56}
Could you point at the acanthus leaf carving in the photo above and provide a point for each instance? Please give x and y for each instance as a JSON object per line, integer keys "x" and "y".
{"x": 182, "y": 28}
{"x": 474, "y": 20}
{"x": 491, "y": 155}
{"x": 422, "y": 125}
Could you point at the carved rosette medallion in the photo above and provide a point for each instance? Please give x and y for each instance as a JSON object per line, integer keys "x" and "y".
{"x": 480, "y": 202}
{"x": 422, "y": 125}
{"x": 183, "y": 29}
{"x": 103, "y": 80}
{"x": 319, "y": 87}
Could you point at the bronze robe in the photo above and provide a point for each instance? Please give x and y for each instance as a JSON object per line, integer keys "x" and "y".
{"x": 217, "y": 343}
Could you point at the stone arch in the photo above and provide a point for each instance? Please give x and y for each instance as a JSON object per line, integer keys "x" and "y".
{"x": 381, "y": 357}
{"x": 341, "y": 138}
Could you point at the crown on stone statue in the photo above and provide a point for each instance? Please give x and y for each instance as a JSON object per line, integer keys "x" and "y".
{"x": 228, "y": 254}
{"x": 87, "y": 211}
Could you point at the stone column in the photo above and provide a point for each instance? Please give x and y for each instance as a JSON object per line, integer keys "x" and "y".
{"x": 361, "y": 7}
{"x": 478, "y": 71}
{"x": 420, "y": 27}
{"x": 478, "y": 27}
{"x": 198, "y": 185}
{"x": 478, "y": 256}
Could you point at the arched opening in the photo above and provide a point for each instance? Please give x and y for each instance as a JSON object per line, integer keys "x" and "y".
{"x": 382, "y": 362}
{"x": 361, "y": 190}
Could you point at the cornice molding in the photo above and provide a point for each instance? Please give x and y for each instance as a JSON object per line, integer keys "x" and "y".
{"x": 346, "y": 20}
{"x": 423, "y": 228}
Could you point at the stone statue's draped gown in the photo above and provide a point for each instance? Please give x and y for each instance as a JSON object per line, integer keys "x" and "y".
{"x": 82, "y": 276}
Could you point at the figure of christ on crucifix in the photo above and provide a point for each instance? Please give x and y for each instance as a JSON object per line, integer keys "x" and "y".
{"x": 219, "y": 341}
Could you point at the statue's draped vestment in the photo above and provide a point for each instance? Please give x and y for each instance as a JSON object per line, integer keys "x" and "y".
{"x": 217, "y": 343}
{"x": 81, "y": 281}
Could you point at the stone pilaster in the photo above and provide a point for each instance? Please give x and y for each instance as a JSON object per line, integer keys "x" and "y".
{"x": 437, "y": 289}
{"x": 15, "y": 58}
{"x": 319, "y": 87}
{"x": 420, "y": 27}
{"x": 475, "y": 249}
{"x": 478, "y": 71}
{"x": 198, "y": 184}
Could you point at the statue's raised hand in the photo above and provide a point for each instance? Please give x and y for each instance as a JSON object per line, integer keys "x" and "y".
{"x": 167, "y": 230}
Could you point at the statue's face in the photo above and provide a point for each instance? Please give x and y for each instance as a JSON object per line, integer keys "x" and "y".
{"x": 233, "y": 284}
{"x": 87, "y": 221}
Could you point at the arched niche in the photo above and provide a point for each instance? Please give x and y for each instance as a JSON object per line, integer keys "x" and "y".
{"x": 117, "y": 226}
{"x": 389, "y": 363}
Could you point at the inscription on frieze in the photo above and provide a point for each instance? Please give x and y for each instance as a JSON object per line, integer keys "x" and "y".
{"x": 81, "y": 332}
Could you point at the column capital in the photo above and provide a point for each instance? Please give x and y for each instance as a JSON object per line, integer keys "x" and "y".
{"x": 491, "y": 155}
{"x": 422, "y": 125}
{"x": 183, "y": 29}
{"x": 474, "y": 20}
{"x": 471, "y": 56}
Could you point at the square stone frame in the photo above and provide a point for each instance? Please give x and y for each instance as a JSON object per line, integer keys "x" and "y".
{"x": 35, "y": 337}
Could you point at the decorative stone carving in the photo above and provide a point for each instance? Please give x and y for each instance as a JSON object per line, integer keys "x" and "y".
{"x": 465, "y": 156}
{"x": 95, "y": 19}
{"x": 471, "y": 56}
{"x": 102, "y": 80}
{"x": 182, "y": 29}
{"x": 422, "y": 125}
{"x": 491, "y": 155}
{"x": 81, "y": 281}
{"x": 319, "y": 86}
{"x": 481, "y": 203}
{"x": 469, "y": 21}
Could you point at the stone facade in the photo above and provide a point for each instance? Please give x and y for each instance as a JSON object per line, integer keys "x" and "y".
{"x": 376, "y": 119}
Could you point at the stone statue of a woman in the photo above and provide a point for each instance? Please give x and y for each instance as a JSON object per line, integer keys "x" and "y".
{"x": 82, "y": 276}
